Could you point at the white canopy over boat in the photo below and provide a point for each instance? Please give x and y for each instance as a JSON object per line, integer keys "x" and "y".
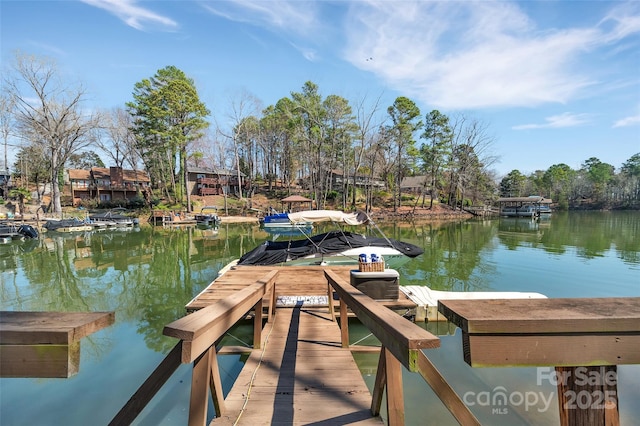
{"x": 357, "y": 218}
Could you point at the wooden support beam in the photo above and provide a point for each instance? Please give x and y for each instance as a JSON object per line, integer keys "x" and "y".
{"x": 379, "y": 384}
{"x": 588, "y": 395}
{"x": 149, "y": 388}
{"x": 40, "y": 361}
{"x": 215, "y": 384}
{"x": 444, "y": 391}
{"x": 526, "y": 350}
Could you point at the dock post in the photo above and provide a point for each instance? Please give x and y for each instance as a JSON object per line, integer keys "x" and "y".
{"x": 588, "y": 395}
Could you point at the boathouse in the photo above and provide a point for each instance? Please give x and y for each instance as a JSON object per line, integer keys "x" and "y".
{"x": 531, "y": 206}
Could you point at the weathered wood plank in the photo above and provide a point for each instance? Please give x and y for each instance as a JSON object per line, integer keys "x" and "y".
{"x": 537, "y": 316}
{"x": 46, "y": 361}
{"x": 293, "y": 379}
{"x": 482, "y": 350}
{"x": 57, "y": 328}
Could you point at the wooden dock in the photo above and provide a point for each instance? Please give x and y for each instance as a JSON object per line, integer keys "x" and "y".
{"x": 300, "y": 369}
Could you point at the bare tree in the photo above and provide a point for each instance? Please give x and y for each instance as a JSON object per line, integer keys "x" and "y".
{"x": 118, "y": 140}
{"x": 241, "y": 107}
{"x": 50, "y": 113}
{"x": 7, "y": 105}
{"x": 367, "y": 133}
{"x": 471, "y": 157}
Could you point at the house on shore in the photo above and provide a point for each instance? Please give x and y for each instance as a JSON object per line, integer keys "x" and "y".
{"x": 107, "y": 185}
{"x": 415, "y": 184}
{"x": 201, "y": 181}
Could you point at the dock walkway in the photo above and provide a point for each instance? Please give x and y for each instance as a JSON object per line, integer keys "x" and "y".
{"x": 301, "y": 376}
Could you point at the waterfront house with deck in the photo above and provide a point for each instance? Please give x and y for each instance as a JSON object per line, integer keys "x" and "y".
{"x": 106, "y": 184}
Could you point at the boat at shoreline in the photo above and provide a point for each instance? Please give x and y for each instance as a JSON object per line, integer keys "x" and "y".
{"x": 11, "y": 231}
{"x": 283, "y": 220}
{"x": 110, "y": 219}
{"x": 205, "y": 219}
{"x": 67, "y": 225}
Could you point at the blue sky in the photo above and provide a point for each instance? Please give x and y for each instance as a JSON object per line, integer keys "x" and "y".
{"x": 553, "y": 81}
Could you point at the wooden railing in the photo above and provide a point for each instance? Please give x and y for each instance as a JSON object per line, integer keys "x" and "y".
{"x": 402, "y": 345}
{"x": 198, "y": 334}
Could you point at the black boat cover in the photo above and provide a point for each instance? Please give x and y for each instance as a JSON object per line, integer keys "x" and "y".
{"x": 275, "y": 252}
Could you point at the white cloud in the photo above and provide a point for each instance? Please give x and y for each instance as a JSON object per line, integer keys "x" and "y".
{"x": 132, "y": 14}
{"x": 309, "y": 54}
{"x": 566, "y": 119}
{"x": 461, "y": 55}
{"x": 628, "y": 121}
{"x": 294, "y": 17}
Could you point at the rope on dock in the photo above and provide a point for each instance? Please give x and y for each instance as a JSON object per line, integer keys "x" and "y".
{"x": 253, "y": 375}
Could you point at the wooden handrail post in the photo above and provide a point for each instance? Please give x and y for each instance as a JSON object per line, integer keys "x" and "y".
{"x": 272, "y": 303}
{"x": 395, "y": 395}
{"x": 257, "y": 325}
{"x": 344, "y": 324}
{"x": 330, "y": 301}
{"x": 200, "y": 382}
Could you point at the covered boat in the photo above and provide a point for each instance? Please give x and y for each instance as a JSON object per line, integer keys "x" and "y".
{"x": 331, "y": 248}
{"x": 67, "y": 225}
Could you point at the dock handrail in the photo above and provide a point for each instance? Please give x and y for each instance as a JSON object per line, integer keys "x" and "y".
{"x": 201, "y": 329}
{"x": 198, "y": 333}
{"x": 402, "y": 343}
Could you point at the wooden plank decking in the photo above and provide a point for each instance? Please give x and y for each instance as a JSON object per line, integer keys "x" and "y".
{"x": 302, "y": 376}
{"x": 291, "y": 281}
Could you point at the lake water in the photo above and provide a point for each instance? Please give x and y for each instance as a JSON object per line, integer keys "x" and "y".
{"x": 148, "y": 275}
